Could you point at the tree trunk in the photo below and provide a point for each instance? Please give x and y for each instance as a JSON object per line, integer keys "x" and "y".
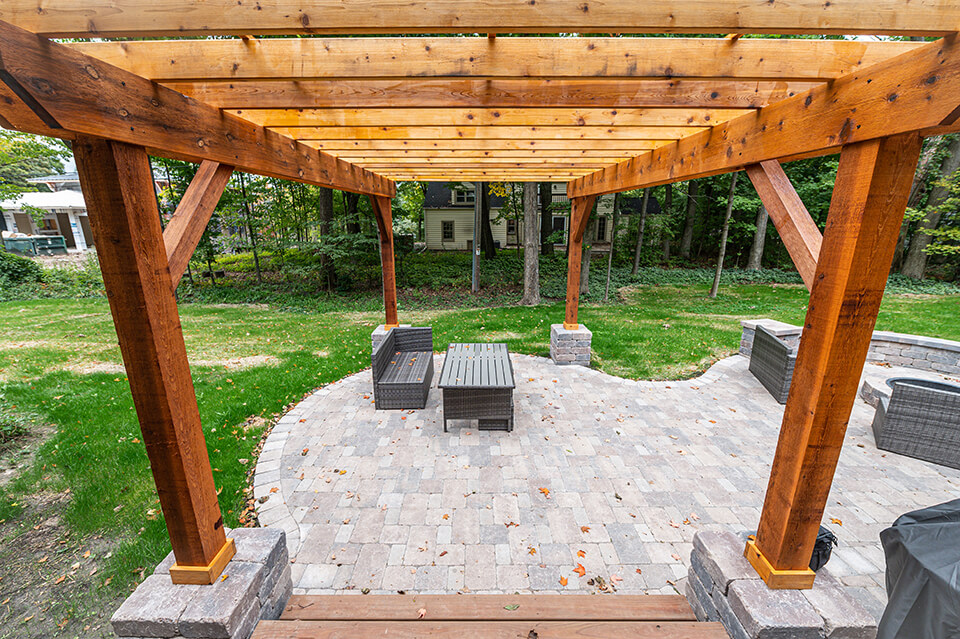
{"x": 916, "y": 261}
{"x": 486, "y": 231}
{"x": 917, "y": 190}
{"x": 253, "y": 235}
{"x": 693, "y": 188}
{"x": 588, "y": 237}
{"x": 325, "y": 213}
{"x": 352, "y": 202}
{"x": 668, "y": 209}
{"x": 723, "y": 237}
{"x": 613, "y": 241}
{"x": 546, "y": 219}
{"x": 531, "y": 257}
{"x": 759, "y": 239}
{"x": 642, "y": 223}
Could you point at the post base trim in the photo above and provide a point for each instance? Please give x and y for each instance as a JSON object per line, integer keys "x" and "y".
{"x": 777, "y": 579}
{"x": 571, "y": 327}
{"x": 387, "y": 327}
{"x": 204, "y": 575}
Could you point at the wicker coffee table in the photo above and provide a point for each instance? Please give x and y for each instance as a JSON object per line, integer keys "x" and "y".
{"x": 477, "y": 383}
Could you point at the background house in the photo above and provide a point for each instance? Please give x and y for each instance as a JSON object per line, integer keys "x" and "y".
{"x": 448, "y": 215}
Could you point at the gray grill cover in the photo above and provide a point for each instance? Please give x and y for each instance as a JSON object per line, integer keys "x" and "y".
{"x": 923, "y": 574}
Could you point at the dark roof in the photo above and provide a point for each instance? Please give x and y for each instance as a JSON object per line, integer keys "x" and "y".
{"x": 632, "y": 205}
{"x": 438, "y": 196}
{"x": 71, "y": 176}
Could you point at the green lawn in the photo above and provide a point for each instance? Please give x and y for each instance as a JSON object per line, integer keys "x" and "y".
{"x": 59, "y": 365}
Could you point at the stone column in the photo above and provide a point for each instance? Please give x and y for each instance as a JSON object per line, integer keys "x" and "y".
{"x": 570, "y": 346}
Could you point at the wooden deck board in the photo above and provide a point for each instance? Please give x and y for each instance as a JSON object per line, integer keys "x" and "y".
{"x": 490, "y": 607}
{"x": 488, "y": 630}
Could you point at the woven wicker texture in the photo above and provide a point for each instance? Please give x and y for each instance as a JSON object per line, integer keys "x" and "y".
{"x": 920, "y": 419}
{"x": 477, "y": 382}
{"x": 772, "y": 362}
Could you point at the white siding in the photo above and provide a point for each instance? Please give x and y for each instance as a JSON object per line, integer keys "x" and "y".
{"x": 462, "y": 219}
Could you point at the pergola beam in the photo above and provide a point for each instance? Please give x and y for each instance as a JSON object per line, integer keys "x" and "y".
{"x": 519, "y": 57}
{"x": 913, "y": 91}
{"x": 186, "y": 227}
{"x": 143, "y": 18}
{"x": 89, "y": 97}
{"x": 866, "y": 211}
{"x": 793, "y": 222}
{"x": 513, "y": 116}
{"x": 411, "y": 135}
{"x": 491, "y": 93}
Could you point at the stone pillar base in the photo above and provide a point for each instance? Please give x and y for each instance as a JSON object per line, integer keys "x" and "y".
{"x": 379, "y": 334}
{"x": 255, "y": 585}
{"x": 786, "y": 332}
{"x": 570, "y": 346}
{"x": 722, "y": 586}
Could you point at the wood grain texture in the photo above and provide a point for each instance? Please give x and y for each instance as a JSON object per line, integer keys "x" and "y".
{"x": 488, "y": 630}
{"x": 384, "y": 215}
{"x": 379, "y": 117}
{"x": 90, "y": 97}
{"x": 521, "y": 57}
{"x": 796, "y": 228}
{"x": 490, "y": 607}
{"x": 910, "y": 92}
{"x": 580, "y": 209}
{"x": 491, "y": 93}
{"x": 869, "y": 199}
{"x": 186, "y": 227}
{"x": 119, "y": 191}
{"x": 143, "y": 18}
{"x": 412, "y": 135}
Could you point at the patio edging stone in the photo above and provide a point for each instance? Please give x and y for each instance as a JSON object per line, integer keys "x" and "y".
{"x": 255, "y": 585}
{"x": 722, "y": 586}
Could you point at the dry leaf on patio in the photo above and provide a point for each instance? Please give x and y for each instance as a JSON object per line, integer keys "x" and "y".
{"x": 581, "y": 553}
{"x": 274, "y": 490}
{"x": 615, "y": 579}
{"x": 531, "y": 550}
{"x": 580, "y": 570}
{"x": 546, "y": 492}
{"x": 443, "y": 553}
{"x": 304, "y": 452}
{"x": 446, "y": 516}
{"x": 563, "y": 581}
{"x": 834, "y": 520}
{"x": 639, "y": 572}
{"x": 674, "y": 524}
{"x": 421, "y": 613}
{"x": 675, "y": 556}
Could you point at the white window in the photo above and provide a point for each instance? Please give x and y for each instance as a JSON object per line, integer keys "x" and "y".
{"x": 463, "y": 196}
{"x": 447, "y": 227}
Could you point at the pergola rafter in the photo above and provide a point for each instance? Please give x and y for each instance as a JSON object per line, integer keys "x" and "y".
{"x": 606, "y": 113}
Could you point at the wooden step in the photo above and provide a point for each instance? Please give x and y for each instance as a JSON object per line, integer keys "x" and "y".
{"x": 488, "y": 617}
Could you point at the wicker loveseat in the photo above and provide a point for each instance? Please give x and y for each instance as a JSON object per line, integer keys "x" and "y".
{"x": 403, "y": 368}
{"x": 771, "y": 362}
{"x": 921, "y": 419}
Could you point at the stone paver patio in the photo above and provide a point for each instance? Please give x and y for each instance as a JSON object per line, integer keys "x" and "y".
{"x": 623, "y": 471}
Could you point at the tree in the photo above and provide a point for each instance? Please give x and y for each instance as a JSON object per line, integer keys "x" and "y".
{"x": 759, "y": 239}
{"x": 641, "y": 224}
{"x": 24, "y": 156}
{"x": 325, "y": 217}
{"x": 665, "y": 226}
{"x": 915, "y": 262}
{"x": 546, "y": 219}
{"x": 693, "y": 188}
{"x": 531, "y": 258}
{"x": 251, "y": 227}
{"x": 587, "y": 250}
{"x": 486, "y": 230}
{"x": 613, "y": 241}
{"x": 723, "y": 236}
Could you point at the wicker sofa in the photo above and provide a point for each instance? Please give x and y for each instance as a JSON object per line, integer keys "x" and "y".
{"x": 921, "y": 419}
{"x": 403, "y": 368}
{"x": 771, "y": 362}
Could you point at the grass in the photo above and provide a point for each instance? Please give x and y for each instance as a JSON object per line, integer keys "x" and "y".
{"x": 59, "y": 365}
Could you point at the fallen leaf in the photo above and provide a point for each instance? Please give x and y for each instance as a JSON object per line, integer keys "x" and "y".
{"x": 443, "y": 553}
{"x": 531, "y": 550}
{"x": 421, "y": 613}
{"x": 676, "y": 556}
{"x": 580, "y": 570}
{"x": 29, "y": 618}
{"x": 446, "y": 516}
{"x": 60, "y": 579}
{"x": 616, "y": 578}
{"x": 563, "y": 581}
{"x": 86, "y": 555}
{"x": 5, "y": 601}
{"x": 511, "y": 607}
{"x": 43, "y": 560}
{"x": 546, "y": 492}
{"x": 305, "y": 451}
{"x": 639, "y": 572}
{"x": 834, "y": 520}
{"x": 274, "y": 490}
{"x": 581, "y": 553}
{"x": 585, "y": 529}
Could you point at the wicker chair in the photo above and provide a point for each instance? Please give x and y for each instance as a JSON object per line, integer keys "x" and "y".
{"x": 403, "y": 368}
{"x": 921, "y": 419}
{"x": 772, "y": 362}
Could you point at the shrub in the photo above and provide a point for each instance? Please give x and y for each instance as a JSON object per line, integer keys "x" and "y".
{"x": 15, "y": 269}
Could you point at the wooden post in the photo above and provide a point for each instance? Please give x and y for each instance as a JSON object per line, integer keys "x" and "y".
{"x": 869, "y": 199}
{"x": 580, "y": 208}
{"x": 119, "y": 190}
{"x": 384, "y": 214}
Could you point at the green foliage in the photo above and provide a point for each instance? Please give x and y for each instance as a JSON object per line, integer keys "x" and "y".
{"x": 15, "y": 269}
{"x": 62, "y": 282}
{"x": 946, "y": 236}
{"x": 24, "y": 156}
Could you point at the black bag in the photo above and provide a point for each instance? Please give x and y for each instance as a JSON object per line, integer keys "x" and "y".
{"x": 826, "y": 540}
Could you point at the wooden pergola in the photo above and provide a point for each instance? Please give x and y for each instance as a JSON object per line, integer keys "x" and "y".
{"x": 605, "y": 114}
